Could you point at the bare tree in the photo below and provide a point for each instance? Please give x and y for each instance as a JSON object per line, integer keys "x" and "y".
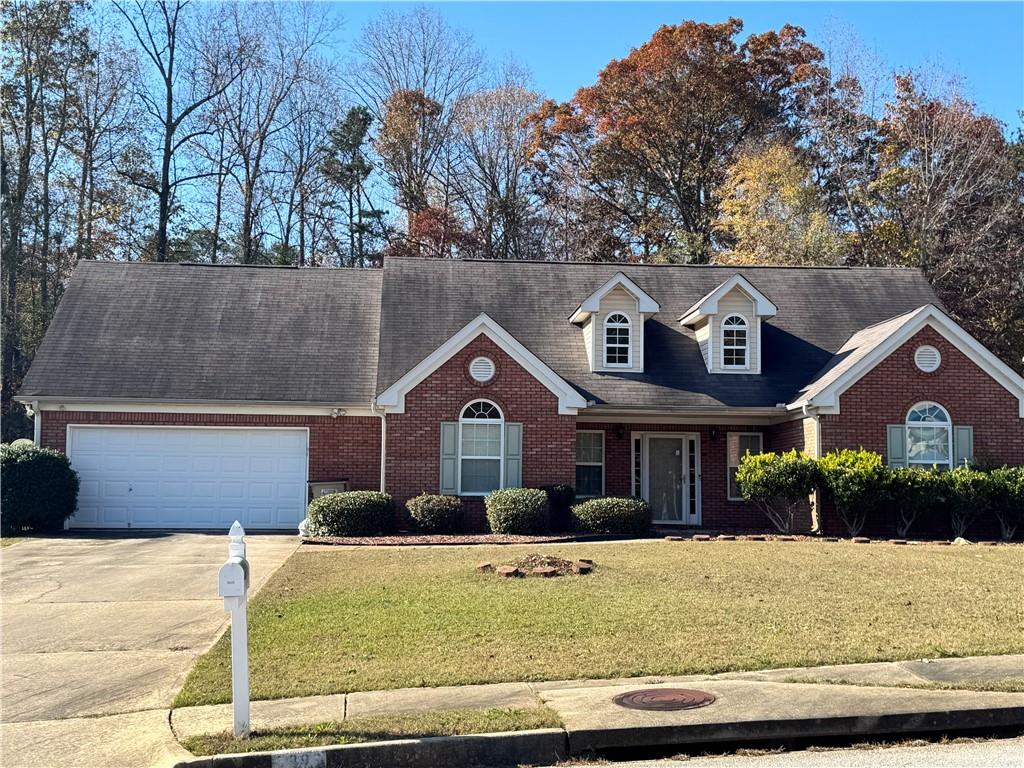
{"x": 415, "y": 69}
{"x": 195, "y": 61}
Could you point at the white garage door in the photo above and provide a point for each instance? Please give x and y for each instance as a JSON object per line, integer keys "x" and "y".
{"x": 189, "y": 477}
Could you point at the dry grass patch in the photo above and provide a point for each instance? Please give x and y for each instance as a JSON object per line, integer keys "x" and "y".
{"x": 455, "y": 722}
{"x": 366, "y": 619}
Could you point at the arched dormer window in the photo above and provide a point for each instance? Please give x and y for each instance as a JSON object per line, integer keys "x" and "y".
{"x": 481, "y": 429}
{"x": 929, "y": 436}
{"x": 735, "y": 342}
{"x": 617, "y": 341}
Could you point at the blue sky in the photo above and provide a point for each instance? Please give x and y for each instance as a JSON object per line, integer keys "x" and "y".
{"x": 566, "y": 44}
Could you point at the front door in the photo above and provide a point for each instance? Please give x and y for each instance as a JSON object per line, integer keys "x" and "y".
{"x": 671, "y": 477}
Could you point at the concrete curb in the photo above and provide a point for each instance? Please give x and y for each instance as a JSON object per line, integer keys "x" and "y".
{"x": 582, "y": 741}
{"x": 512, "y": 748}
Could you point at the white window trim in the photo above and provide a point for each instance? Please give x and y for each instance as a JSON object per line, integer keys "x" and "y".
{"x": 948, "y": 424}
{"x": 501, "y": 445}
{"x": 745, "y": 347}
{"x": 600, "y": 464}
{"x": 628, "y": 325}
{"x": 728, "y": 466}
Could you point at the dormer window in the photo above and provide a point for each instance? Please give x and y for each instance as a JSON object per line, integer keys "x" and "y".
{"x": 735, "y": 342}
{"x": 617, "y": 341}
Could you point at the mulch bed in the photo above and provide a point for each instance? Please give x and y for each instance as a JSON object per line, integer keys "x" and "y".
{"x": 419, "y": 540}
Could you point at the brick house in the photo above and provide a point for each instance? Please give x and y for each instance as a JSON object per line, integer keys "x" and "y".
{"x": 191, "y": 395}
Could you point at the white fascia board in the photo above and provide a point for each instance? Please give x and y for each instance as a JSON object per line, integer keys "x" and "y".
{"x": 114, "y": 405}
{"x": 763, "y": 306}
{"x": 646, "y": 305}
{"x": 929, "y": 315}
{"x": 570, "y": 401}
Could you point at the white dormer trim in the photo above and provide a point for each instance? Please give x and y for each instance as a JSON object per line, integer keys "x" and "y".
{"x": 646, "y": 305}
{"x": 708, "y": 305}
{"x": 570, "y": 401}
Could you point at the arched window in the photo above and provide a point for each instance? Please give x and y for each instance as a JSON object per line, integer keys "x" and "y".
{"x": 481, "y": 438}
{"x": 735, "y": 342}
{"x": 929, "y": 436}
{"x": 617, "y": 347}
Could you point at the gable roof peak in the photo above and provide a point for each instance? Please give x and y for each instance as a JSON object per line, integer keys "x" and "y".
{"x": 645, "y": 303}
{"x": 708, "y": 304}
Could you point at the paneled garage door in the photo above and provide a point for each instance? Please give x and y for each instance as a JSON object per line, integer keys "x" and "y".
{"x": 189, "y": 477}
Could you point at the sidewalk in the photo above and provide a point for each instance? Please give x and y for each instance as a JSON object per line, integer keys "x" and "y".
{"x": 846, "y": 699}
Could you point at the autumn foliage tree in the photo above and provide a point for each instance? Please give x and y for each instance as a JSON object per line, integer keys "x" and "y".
{"x": 655, "y": 135}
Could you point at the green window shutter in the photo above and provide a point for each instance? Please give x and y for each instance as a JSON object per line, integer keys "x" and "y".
{"x": 896, "y": 445}
{"x": 963, "y": 445}
{"x": 450, "y": 458}
{"x": 513, "y": 455}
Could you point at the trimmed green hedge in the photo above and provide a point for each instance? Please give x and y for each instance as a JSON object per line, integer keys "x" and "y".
{"x": 351, "y": 513}
{"x": 38, "y": 489}
{"x": 518, "y": 511}
{"x": 435, "y": 514}
{"x": 777, "y": 483}
{"x": 856, "y": 481}
{"x": 613, "y": 514}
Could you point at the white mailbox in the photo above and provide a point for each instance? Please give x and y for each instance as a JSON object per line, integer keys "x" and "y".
{"x": 233, "y": 586}
{"x": 234, "y": 577}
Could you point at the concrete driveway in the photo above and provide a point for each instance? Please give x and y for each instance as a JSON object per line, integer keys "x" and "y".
{"x": 98, "y": 634}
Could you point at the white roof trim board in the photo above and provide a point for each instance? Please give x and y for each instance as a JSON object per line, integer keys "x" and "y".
{"x": 645, "y": 304}
{"x": 708, "y": 305}
{"x": 570, "y": 401}
{"x": 867, "y": 348}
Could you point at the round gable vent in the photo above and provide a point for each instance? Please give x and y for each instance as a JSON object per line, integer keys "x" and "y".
{"x": 927, "y": 358}
{"x": 481, "y": 369}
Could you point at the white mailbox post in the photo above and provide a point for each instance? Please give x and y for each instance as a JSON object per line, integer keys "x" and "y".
{"x": 233, "y": 586}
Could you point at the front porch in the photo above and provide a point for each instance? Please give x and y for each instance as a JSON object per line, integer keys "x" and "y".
{"x": 682, "y": 470}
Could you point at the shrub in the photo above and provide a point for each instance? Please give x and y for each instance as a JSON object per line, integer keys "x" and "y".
{"x": 517, "y": 511}
{"x": 560, "y": 501}
{"x": 351, "y": 513}
{"x": 1008, "y": 499}
{"x": 613, "y": 515}
{"x": 777, "y": 483}
{"x": 914, "y": 492}
{"x": 856, "y": 482}
{"x": 39, "y": 489}
{"x": 969, "y": 494}
{"x": 435, "y": 514}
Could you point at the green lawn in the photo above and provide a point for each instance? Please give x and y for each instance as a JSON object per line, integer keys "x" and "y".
{"x": 332, "y": 621}
{"x": 455, "y": 722}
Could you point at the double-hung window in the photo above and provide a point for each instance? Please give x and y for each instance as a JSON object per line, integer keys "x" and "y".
{"x": 929, "y": 436}
{"x": 617, "y": 340}
{"x": 735, "y": 342}
{"x": 481, "y": 427}
{"x": 738, "y": 445}
{"x": 589, "y": 463}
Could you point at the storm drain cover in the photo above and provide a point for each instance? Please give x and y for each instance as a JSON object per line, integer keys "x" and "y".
{"x": 664, "y": 699}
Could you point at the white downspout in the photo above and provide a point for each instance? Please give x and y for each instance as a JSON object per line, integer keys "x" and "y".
{"x": 37, "y": 422}
{"x": 816, "y": 511}
{"x": 383, "y": 442}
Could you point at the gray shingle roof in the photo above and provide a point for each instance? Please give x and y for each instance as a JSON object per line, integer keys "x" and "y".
{"x": 185, "y": 332}
{"x": 424, "y": 302}
{"x": 178, "y": 332}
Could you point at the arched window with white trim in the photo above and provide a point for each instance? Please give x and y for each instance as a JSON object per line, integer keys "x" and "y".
{"x": 481, "y": 437}
{"x": 929, "y": 436}
{"x": 617, "y": 336}
{"x": 735, "y": 342}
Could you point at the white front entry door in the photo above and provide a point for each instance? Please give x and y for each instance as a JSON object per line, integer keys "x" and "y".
{"x": 189, "y": 477}
{"x": 670, "y": 472}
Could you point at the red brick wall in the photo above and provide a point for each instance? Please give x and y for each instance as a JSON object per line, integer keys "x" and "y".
{"x": 414, "y": 437}
{"x": 347, "y": 447}
{"x": 717, "y": 511}
{"x": 886, "y": 394}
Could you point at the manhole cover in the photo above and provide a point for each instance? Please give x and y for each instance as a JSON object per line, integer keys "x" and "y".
{"x": 664, "y": 699}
